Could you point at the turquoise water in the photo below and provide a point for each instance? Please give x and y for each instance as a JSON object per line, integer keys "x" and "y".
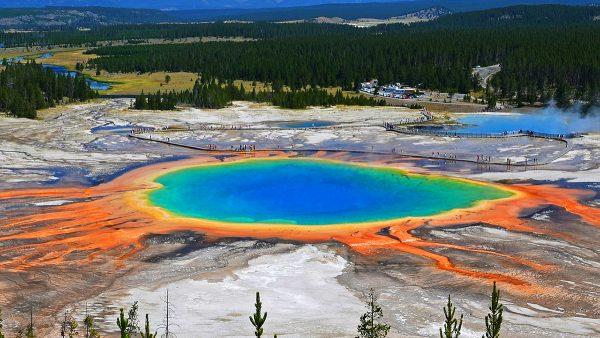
{"x": 548, "y": 120}
{"x": 310, "y": 192}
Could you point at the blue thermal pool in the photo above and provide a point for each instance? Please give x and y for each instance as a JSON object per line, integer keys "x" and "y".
{"x": 542, "y": 123}
{"x": 311, "y": 192}
{"x": 549, "y": 120}
{"x": 111, "y": 128}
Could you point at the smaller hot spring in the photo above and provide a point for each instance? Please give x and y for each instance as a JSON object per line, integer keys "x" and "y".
{"x": 311, "y": 192}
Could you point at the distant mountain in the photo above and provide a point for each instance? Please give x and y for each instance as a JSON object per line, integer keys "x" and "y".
{"x": 174, "y": 4}
{"x": 348, "y": 11}
{"x": 454, "y": 5}
{"x": 352, "y": 11}
{"x": 410, "y": 18}
{"x": 73, "y": 17}
{"x": 427, "y": 14}
{"x": 543, "y": 15}
{"x": 417, "y": 10}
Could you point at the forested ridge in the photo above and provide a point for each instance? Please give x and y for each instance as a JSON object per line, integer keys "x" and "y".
{"x": 318, "y": 61}
{"x": 514, "y": 16}
{"x": 562, "y": 63}
{"x": 258, "y": 30}
{"x": 25, "y": 88}
{"x": 522, "y": 15}
{"x": 535, "y": 61}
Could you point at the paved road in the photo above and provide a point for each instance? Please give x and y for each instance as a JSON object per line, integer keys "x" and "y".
{"x": 486, "y": 72}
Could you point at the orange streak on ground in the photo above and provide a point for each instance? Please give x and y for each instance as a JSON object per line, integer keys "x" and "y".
{"x": 402, "y": 234}
{"x": 566, "y": 198}
{"x": 49, "y": 192}
{"x": 369, "y": 244}
{"x": 115, "y": 218}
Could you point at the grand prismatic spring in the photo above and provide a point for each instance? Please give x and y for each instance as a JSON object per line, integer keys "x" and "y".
{"x": 310, "y": 192}
{"x": 354, "y": 204}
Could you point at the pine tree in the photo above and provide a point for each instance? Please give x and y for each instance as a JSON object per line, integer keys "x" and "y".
{"x": 30, "y": 332}
{"x": 140, "y": 101}
{"x": 370, "y": 325}
{"x": 68, "y": 327}
{"x": 452, "y": 326}
{"x": 491, "y": 100}
{"x": 133, "y": 321}
{"x": 123, "y": 324}
{"x": 90, "y": 329}
{"x": 561, "y": 95}
{"x": 257, "y": 319}
{"x": 168, "y": 317}
{"x": 1, "y": 325}
{"x": 493, "y": 320}
{"x": 147, "y": 333}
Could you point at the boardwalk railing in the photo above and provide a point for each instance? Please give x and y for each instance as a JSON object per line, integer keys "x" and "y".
{"x": 446, "y": 158}
{"x": 419, "y": 131}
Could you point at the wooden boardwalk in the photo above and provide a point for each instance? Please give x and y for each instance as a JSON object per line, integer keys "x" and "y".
{"x": 350, "y": 151}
